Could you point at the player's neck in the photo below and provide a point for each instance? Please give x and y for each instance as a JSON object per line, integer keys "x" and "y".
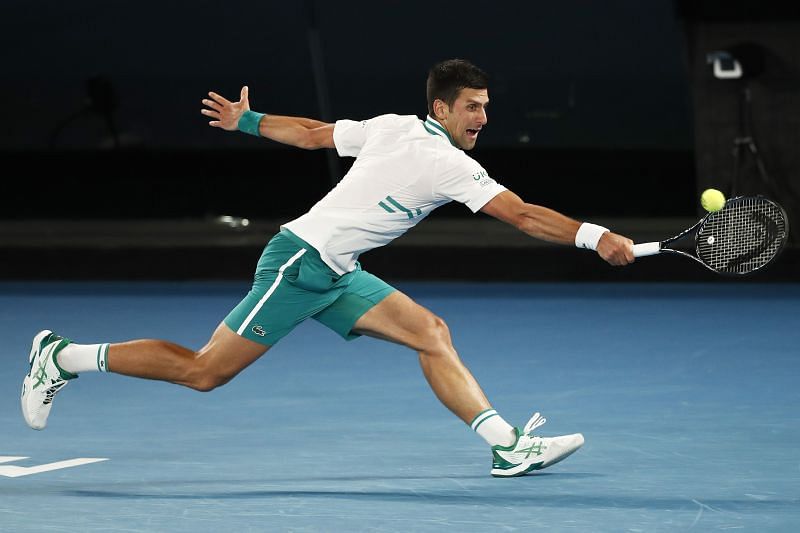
{"x": 434, "y": 124}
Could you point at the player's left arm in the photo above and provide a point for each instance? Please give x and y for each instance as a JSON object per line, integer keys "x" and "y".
{"x": 295, "y": 131}
{"x": 549, "y": 225}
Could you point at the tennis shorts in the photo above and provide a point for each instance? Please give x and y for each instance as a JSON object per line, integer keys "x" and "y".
{"x": 292, "y": 283}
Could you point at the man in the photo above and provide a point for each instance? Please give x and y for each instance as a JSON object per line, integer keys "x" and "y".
{"x": 404, "y": 169}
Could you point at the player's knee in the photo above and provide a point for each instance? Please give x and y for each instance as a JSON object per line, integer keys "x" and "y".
{"x": 209, "y": 382}
{"x": 436, "y": 336}
{"x": 204, "y": 384}
{"x": 205, "y": 379}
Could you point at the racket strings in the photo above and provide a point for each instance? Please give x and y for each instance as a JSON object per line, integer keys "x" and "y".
{"x": 742, "y": 237}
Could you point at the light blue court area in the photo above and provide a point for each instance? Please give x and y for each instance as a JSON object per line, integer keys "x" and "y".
{"x": 687, "y": 396}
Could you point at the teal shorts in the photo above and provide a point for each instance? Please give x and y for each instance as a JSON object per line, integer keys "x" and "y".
{"x": 292, "y": 283}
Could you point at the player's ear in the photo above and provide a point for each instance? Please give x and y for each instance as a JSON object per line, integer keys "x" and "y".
{"x": 440, "y": 109}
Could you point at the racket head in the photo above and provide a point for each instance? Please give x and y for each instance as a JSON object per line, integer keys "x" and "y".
{"x": 746, "y": 235}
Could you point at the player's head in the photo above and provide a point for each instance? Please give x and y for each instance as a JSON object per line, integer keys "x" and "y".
{"x": 457, "y": 98}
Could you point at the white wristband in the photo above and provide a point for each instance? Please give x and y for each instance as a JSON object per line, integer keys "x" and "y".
{"x": 589, "y": 235}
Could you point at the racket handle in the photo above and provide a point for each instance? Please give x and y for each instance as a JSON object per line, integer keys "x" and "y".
{"x": 646, "y": 248}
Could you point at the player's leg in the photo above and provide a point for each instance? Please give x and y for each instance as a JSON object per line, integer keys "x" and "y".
{"x": 515, "y": 451}
{"x": 370, "y": 306}
{"x": 220, "y": 360}
{"x": 56, "y": 360}
{"x": 272, "y": 308}
{"x": 401, "y": 320}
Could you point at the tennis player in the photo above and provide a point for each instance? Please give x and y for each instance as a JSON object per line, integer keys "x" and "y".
{"x": 404, "y": 169}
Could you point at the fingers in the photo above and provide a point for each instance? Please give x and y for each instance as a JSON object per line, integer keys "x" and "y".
{"x": 624, "y": 252}
{"x": 618, "y": 260}
{"x": 616, "y": 249}
{"x": 212, "y": 104}
{"x": 214, "y": 112}
{"x": 219, "y": 99}
{"x": 629, "y": 257}
{"x": 224, "y": 113}
{"x": 623, "y": 255}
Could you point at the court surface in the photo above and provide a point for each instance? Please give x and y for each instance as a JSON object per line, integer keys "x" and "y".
{"x": 686, "y": 395}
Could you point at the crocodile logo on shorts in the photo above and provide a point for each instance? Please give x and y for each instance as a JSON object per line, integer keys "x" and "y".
{"x": 258, "y": 330}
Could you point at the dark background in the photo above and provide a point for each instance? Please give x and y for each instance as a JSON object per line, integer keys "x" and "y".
{"x": 599, "y": 109}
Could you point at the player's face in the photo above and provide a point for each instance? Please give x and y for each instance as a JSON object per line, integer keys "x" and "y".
{"x": 467, "y": 116}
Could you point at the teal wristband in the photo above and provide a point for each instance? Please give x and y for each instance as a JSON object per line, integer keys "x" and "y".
{"x": 248, "y": 122}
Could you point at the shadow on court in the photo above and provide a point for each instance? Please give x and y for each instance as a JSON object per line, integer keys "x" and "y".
{"x": 423, "y": 497}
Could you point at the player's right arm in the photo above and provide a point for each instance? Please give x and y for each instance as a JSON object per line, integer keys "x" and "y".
{"x": 295, "y": 131}
{"x": 462, "y": 179}
{"x": 549, "y": 225}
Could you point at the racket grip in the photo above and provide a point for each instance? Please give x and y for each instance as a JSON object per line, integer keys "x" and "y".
{"x": 646, "y": 248}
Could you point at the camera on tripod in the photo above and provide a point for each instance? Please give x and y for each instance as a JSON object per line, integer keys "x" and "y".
{"x": 726, "y": 67}
{"x": 740, "y": 61}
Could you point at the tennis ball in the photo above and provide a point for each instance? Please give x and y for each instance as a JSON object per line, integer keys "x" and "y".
{"x": 712, "y": 200}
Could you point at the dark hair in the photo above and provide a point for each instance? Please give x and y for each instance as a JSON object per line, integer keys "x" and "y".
{"x": 447, "y": 78}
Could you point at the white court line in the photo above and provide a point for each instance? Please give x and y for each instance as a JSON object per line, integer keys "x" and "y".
{"x": 10, "y": 458}
{"x": 19, "y": 471}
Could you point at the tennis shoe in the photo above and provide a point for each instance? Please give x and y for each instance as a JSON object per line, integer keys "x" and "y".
{"x": 44, "y": 379}
{"x": 530, "y": 452}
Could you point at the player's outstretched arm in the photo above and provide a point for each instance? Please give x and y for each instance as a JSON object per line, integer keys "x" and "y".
{"x": 295, "y": 131}
{"x": 549, "y": 225}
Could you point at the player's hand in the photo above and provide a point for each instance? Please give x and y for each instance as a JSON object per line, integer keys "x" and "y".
{"x": 615, "y": 249}
{"x": 225, "y": 114}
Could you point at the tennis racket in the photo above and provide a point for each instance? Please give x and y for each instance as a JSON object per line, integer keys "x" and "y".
{"x": 746, "y": 235}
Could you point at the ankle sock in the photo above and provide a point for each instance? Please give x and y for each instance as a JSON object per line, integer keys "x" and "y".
{"x": 494, "y": 430}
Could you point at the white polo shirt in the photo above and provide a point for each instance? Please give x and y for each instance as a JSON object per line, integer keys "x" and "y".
{"x": 404, "y": 169}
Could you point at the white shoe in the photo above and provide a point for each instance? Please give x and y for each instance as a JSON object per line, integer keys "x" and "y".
{"x": 531, "y": 452}
{"x": 45, "y": 378}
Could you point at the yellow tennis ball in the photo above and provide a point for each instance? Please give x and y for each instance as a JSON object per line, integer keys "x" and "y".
{"x": 712, "y": 200}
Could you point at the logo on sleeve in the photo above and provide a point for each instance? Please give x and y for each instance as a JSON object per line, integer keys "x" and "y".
{"x": 480, "y": 175}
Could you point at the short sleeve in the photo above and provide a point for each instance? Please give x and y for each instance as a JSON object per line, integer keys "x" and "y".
{"x": 349, "y": 136}
{"x": 465, "y": 181}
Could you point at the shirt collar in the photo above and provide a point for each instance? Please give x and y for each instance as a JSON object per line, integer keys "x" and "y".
{"x": 433, "y": 127}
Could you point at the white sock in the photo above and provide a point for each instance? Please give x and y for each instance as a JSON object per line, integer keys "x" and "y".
{"x": 494, "y": 430}
{"x": 77, "y": 358}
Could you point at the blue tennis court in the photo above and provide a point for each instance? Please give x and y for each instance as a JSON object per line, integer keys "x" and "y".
{"x": 686, "y": 394}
